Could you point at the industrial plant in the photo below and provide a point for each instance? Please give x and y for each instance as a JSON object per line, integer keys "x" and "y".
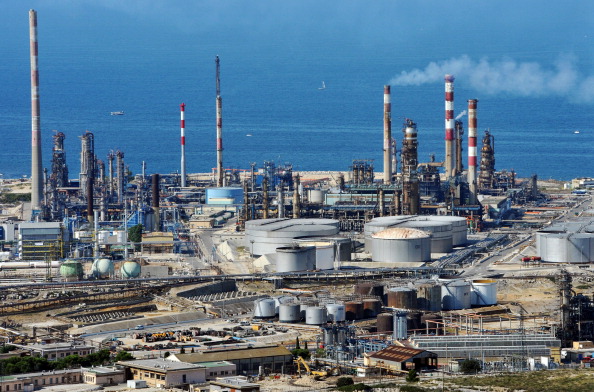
{"x": 236, "y": 272}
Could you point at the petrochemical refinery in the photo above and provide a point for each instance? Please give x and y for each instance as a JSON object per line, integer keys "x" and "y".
{"x": 449, "y": 259}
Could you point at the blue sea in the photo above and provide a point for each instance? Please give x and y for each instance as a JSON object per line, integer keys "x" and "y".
{"x": 534, "y": 91}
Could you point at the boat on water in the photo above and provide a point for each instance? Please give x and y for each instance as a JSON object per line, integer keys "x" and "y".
{"x": 576, "y": 131}
{"x": 323, "y": 86}
{"x": 120, "y": 113}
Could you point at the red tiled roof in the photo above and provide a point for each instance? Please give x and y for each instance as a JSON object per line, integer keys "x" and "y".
{"x": 396, "y": 354}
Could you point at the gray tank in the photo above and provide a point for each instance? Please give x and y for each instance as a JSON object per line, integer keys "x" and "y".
{"x": 295, "y": 258}
{"x": 289, "y": 313}
{"x": 429, "y": 297}
{"x": 336, "y": 312}
{"x": 400, "y": 325}
{"x": 264, "y": 308}
{"x": 401, "y": 245}
{"x": 316, "y": 315}
{"x": 455, "y": 295}
{"x": 565, "y": 247}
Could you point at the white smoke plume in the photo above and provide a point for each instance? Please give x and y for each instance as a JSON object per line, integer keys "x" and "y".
{"x": 507, "y": 76}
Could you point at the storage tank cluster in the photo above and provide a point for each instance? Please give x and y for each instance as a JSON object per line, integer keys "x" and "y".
{"x": 389, "y": 245}
{"x": 264, "y": 236}
{"x": 565, "y": 247}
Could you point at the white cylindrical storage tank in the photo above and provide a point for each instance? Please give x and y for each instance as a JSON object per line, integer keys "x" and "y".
{"x": 455, "y": 295}
{"x": 316, "y": 196}
{"x": 484, "y": 292}
{"x": 280, "y": 300}
{"x": 103, "y": 237}
{"x": 380, "y": 224}
{"x": 316, "y": 315}
{"x": 324, "y": 252}
{"x": 441, "y": 233}
{"x": 459, "y": 227}
{"x": 289, "y": 313}
{"x": 121, "y": 236}
{"x": 565, "y": 247}
{"x": 401, "y": 245}
{"x": 264, "y": 308}
{"x": 302, "y": 308}
{"x": 295, "y": 258}
{"x": 336, "y": 312}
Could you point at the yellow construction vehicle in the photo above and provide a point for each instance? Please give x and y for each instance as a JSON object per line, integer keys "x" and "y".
{"x": 316, "y": 373}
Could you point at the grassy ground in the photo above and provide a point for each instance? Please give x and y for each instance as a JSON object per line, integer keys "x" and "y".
{"x": 537, "y": 381}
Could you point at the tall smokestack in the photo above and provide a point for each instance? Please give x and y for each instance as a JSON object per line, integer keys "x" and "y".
{"x": 220, "y": 174}
{"x": 155, "y": 201}
{"x": 449, "y": 125}
{"x": 182, "y": 108}
{"x": 387, "y": 136}
{"x": 472, "y": 152}
{"x": 36, "y": 176}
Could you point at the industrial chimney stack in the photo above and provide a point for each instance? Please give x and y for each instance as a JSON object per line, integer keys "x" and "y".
{"x": 182, "y": 108}
{"x": 449, "y": 126}
{"x": 36, "y": 175}
{"x": 472, "y": 123}
{"x": 387, "y": 136}
{"x": 219, "y": 103}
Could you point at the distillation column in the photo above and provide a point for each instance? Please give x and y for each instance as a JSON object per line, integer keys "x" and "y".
{"x": 410, "y": 178}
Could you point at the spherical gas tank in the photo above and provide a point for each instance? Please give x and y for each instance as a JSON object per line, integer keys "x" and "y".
{"x": 130, "y": 269}
{"x": 102, "y": 268}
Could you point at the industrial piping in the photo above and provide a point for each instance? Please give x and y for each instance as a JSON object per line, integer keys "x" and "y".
{"x": 387, "y": 136}
{"x": 182, "y": 109}
{"x": 36, "y": 179}
{"x": 472, "y": 151}
{"x": 219, "y": 103}
{"x": 449, "y": 125}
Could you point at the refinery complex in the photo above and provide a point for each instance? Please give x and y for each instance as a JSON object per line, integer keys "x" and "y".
{"x": 220, "y": 281}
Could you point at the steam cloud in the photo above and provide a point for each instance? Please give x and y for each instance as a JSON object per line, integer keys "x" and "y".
{"x": 507, "y": 76}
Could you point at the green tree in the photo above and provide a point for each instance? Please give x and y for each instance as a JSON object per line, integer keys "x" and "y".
{"x": 470, "y": 366}
{"x": 167, "y": 353}
{"x": 135, "y": 235}
{"x": 344, "y": 381}
{"x": 412, "y": 376}
{"x": 297, "y": 346}
{"x": 124, "y": 356}
{"x": 300, "y": 352}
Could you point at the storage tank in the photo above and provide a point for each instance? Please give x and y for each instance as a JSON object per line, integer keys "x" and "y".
{"x": 380, "y": 224}
{"x": 385, "y": 323}
{"x": 401, "y": 245}
{"x": 371, "y": 307}
{"x": 264, "y": 308}
{"x": 316, "y": 196}
{"x": 343, "y": 247}
{"x": 429, "y": 297}
{"x": 102, "y": 268}
{"x": 369, "y": 288}
{"x": 295, "y": 258}
{"x": 302, "y": 309}
{"x": 336, "y": 312}
{"x": 329, "y": 336}
{"x": 315, "y": 315}
{"x": 121, "y": 237}
{"x": 103, "y": 237}
{"x": 441, "y": 233}
{"x": 71, "y": 270}
{"x": 324, "y": 252}
{"x": 565, "y": 247}
{"x": 130, "y": 269}
{"x": 281, "y": 299}
{"x": 459, "y": 227}
{"x": 289, "y": 313}
{"x": 354, "y": 310}
{"x": 484, "y": 292}
{"x": 455, "y": 295}
{"x": 402, "y": 298}
{"x": 224, "y": 195}
{"x": 400, "y": 325}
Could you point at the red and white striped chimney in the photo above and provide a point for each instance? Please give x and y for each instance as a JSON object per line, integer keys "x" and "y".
{"x": 449, "y": 126}
{"x": 182, "y": 108}
{"x": 387, "y": 136}
{"x": 472, "y": 151}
